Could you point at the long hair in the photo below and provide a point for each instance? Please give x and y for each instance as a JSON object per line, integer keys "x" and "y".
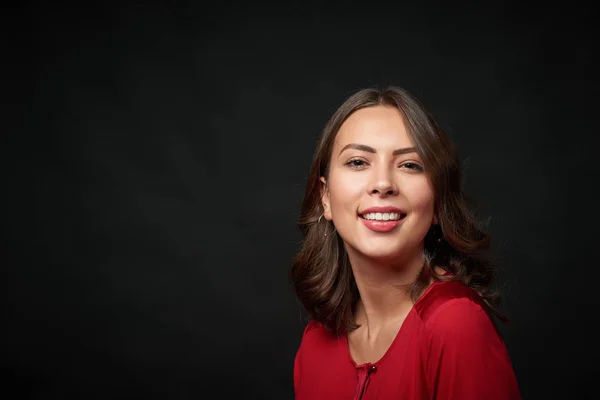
{"x": 321, "y": 271}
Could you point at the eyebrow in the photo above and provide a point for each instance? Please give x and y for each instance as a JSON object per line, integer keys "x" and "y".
{"x": 369, "y": 149}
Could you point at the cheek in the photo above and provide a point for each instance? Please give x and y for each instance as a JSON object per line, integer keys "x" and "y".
{"x": 344, "y": 191}
{"x": 424, "y": 202}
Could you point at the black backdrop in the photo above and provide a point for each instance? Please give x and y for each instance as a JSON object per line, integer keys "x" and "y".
{"x": 156, "y": 158}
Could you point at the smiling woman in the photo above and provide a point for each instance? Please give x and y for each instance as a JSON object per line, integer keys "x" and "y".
{"x": 392, "y": 270}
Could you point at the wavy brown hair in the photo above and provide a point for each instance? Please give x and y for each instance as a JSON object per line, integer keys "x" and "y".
{"x": 321, "y": 271}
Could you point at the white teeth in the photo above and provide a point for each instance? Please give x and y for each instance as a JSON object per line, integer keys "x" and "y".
{"x": 382, "y": 216}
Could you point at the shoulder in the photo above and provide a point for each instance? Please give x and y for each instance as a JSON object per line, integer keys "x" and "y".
{"x": 318, "y": 339}
{"x": 452, "y": 309}
{"x": 314, "y": 330}
{"x": 465, "y": 356}
{"x": 316, "y": 342}
{"x": 312, "y": 325}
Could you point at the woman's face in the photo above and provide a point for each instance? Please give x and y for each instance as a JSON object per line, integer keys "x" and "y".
{"x": 377, "y": 194}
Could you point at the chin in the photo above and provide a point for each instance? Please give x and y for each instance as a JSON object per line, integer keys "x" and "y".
{"x": 380, "y": 253}
{"x": 388, "y": 250}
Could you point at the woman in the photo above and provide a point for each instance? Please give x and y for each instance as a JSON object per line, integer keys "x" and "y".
{"x": 392, "y": 270}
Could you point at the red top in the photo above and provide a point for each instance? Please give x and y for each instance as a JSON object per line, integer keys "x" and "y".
{"x": 447, "y": 348}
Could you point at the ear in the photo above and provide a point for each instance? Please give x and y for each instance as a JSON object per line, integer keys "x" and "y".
{"x": 325, "y": 199}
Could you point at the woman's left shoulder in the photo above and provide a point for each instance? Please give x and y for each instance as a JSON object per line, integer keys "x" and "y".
{"x": 460, "y": 319}
{"x": 466, "y": 356}
{"x": 453, "y": 308}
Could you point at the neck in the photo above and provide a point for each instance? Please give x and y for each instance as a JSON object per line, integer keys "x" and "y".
{"x": 384, "y": 288}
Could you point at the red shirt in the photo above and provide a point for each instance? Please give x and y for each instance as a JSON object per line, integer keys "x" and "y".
{"x": 447, "y": 348}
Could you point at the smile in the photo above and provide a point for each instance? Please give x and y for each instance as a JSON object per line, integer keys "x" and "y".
{"x": 382, "y": 222}
{"x": 383, "y": 216}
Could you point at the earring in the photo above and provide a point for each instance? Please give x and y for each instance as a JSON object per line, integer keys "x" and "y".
{"x": 325, "y": 234}
{"x": 435, "y": 235}
{"x": 439, "y": 231}
{"x": 332, "y": 232}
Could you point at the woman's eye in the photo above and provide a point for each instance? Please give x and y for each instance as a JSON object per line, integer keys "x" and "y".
{"x": 356, "y": 163}
{"x": 412, "y": 166}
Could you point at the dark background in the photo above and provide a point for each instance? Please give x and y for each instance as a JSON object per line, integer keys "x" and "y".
{"x": 155, "y": 160}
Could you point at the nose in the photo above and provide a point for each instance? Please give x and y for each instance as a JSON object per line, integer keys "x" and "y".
{"x": 383, "y": 184}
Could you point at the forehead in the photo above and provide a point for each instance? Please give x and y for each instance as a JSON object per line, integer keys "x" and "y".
{"x": 378, "y": 126}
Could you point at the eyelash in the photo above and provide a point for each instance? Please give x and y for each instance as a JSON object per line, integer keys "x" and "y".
{"x": 416, "y": 166}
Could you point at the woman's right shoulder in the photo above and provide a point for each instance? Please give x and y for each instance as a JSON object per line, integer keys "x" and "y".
{"x": 312, "y": 325}
{"x": 315, "y": 332}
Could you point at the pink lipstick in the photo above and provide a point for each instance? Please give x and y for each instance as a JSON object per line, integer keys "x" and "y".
{"x": 382, "y": 219}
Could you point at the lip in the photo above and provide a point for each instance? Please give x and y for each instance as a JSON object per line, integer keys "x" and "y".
{"x": 382, "y": 226}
